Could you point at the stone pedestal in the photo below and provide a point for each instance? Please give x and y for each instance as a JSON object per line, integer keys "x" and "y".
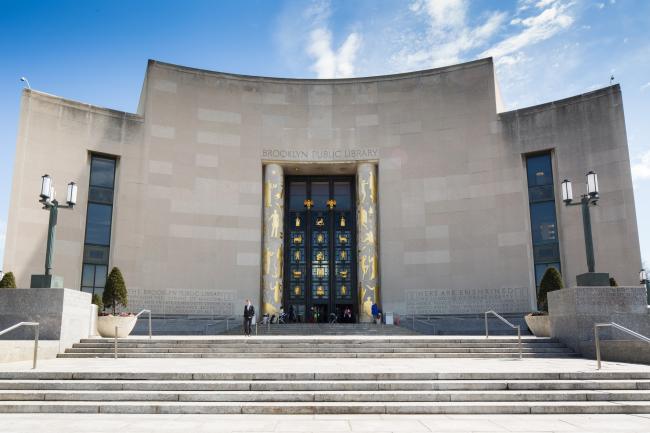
{"x": 63, "y": 314}
{"x": 46, "y": 282}
{"x": 574, "y": 311}
{"x": 592, "y": 279}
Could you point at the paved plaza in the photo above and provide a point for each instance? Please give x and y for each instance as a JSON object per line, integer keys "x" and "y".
{"x": 73, "y": 423}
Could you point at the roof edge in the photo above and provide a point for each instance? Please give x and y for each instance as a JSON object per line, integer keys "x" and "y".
{"x": 403, "y": 75}
{"x": 80, "y": 105}
{"x": 615, "y": 88}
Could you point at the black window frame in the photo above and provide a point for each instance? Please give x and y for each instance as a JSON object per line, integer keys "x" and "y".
{"x": 99, "y": 200}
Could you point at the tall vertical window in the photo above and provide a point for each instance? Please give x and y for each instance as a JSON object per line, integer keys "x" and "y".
{"x": 98, "y": 224}
{"x": 543, "y": 221}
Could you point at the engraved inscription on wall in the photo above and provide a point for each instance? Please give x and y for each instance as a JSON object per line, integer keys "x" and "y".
{"x": 183, "y": 301}
{"x": 320, "y": 154}
{"x": 467, "y": 301}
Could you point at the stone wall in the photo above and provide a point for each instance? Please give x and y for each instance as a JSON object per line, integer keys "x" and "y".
{"x": 574, "y": 311}
{"x": 63, "y": 314}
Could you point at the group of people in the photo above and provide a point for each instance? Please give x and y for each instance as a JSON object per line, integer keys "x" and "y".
{"x": 344, "y": 316}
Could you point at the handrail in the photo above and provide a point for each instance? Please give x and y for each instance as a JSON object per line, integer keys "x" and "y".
{"x": 146, "y": 311}
{"x": 35, "y": 325}
{"x": 227, "y": 320}
{"x": 498, "y": 316}
{"x": 620, "y": 328}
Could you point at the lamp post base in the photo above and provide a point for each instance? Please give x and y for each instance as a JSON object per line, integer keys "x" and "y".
{"x": 593, "y": 279}
{"x": 46, "y": 282}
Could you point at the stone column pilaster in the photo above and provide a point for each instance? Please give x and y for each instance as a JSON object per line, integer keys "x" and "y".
{"x": 272, "y": 254}
{"x": 368, "y": 266}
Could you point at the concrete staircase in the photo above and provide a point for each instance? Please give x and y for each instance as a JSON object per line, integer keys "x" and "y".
{"x": 325, "y": 393}
{"x": 319, "y": 347}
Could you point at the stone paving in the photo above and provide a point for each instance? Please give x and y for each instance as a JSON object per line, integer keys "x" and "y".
{"x": 76, "y": 423}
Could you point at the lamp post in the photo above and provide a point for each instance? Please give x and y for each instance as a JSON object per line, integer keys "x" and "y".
{"x": 51, "y": 204}
{"x": 591, "y": 278}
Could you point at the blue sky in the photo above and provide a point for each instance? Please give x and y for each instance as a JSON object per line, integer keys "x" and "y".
{"x": 96, "y": 52}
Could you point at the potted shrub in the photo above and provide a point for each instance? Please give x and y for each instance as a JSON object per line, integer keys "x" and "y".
{"x": 8, "y": 281}
{"x": 115, "y": 295}
{"x": 539, "y": 322}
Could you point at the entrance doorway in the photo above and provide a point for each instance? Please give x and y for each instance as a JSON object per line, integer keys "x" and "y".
{"x": 320, "y": 278}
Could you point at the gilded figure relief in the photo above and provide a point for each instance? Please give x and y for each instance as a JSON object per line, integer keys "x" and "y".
{"x": 363, "y": 217}
{"x": 320, "y": 291}
{"x": 343, "y": 273}
{"x": 296, "y": 255}
{"x": 297, "y": 273}
{"x": 343, "y": 239}
{"x": 320, "y": 256}
{"x": 320, "y": 238}
{"x": 298, "y": 222}
{"x": 297, "y": 290}
{"x": 342, "y": 221}
{"x": 344, "y": 290}
{"x": 320, "y": 221}
{"x": 344, "y": 255}
{"x": 320, "y": 272}
{"x": 371, "y": 185}
{"x": 275, "y": 224}
{"x": 297, "y": 240}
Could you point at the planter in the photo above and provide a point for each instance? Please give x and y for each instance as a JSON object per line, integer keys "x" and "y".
{"x": 106, "y": 325}
{"x": 539, "y": 325}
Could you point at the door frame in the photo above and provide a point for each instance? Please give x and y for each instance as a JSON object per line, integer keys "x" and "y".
{"x": 309, "y": 302}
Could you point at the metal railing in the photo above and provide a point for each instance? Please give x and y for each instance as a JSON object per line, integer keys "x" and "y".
{"x": 227, "y": 319}
{"x": 149, "y": 312}
{"x": 616, "y": 326}
{"x": 136, "y": 316}
{"x": 35, "y": 325}
{"x": 517, "y": 327}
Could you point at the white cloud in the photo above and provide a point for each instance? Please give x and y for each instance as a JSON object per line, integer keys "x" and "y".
{"x": 448, "y": 36}
{"x": 537, "y": 28}
{"x": 645, "y": 87}
{"x": 329, "y": 63}
{"x": 641, "y": 166}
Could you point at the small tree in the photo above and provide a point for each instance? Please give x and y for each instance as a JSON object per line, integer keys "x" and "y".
{"x": 8, "y": 281}
{"x": 115, "y": 290}
{"x": 97, "y": 300}
{"x": 612, "y": 282}
{"x": 552, "y": 280}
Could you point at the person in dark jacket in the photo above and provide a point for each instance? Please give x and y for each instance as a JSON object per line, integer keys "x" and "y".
{"x": 249, "y": 312}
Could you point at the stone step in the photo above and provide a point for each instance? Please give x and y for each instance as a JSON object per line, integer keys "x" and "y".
{"x": 126, "y": 343}
{"x": 327, "y": 396}
{"x": 315, "y": 341}
{"x": 313, "y": 385}
{"x": 585, "y": 407}
{"x": 17, "y": 376}
{"x": 122, "y": 349}
{"x": 499, "y": 354}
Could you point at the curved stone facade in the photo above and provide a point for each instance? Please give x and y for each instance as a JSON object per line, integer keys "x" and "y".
{"x": 191, "y": 225}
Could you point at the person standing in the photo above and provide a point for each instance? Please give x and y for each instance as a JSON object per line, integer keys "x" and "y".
{"x": 249, "y": 312}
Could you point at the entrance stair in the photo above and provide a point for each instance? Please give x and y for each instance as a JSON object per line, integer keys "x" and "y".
{"x": 319, "y": 347}
{"x": 325, "y": 393}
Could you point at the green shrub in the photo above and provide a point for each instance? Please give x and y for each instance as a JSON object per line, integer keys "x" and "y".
{"x": 97, "y": 300}
{"x": 8, "y": 281}
{"x": 552, "y": 280}
{"x": 612, "y": 282}
{"x": 115, "y": 290}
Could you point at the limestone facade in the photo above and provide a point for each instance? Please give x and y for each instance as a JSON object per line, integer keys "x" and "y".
{"x": 453, "y": 230}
